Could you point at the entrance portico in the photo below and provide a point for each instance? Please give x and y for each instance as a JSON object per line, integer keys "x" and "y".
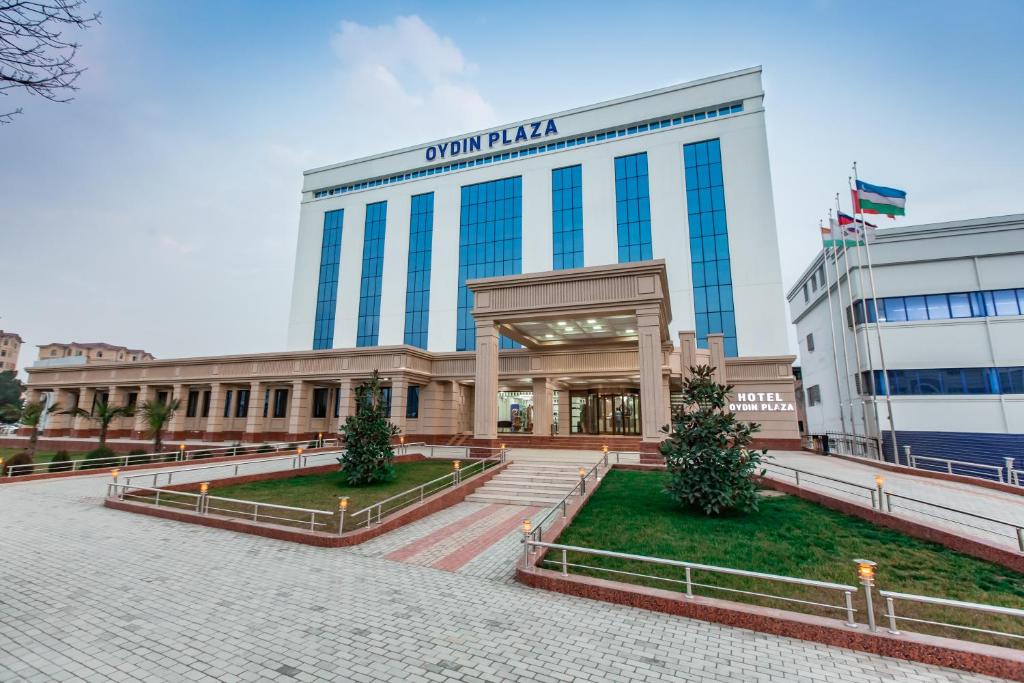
{"x": 616, "y": 310}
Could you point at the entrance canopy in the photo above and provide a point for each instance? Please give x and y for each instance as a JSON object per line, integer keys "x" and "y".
{"x": 592, "y": 306}
{"x": 596, "y": 309}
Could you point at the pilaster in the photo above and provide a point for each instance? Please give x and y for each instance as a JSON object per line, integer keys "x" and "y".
{"x": 485, "y": 402}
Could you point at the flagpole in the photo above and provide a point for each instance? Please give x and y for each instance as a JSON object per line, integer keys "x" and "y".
{"x": 878, "y": 328}
{"x": 832, "y": 322}
{"x": 856, "y": 343}
{"x": 846, "y": 352}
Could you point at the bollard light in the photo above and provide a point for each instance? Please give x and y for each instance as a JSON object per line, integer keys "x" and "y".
{"x": 527, "y": 526}
{"x": 181, "y": 448}
{"x": 879, "y": 480}
{"x": 204, "y": 487}
{"x": 343, "y": 503}
{"x": 583, "y": 473}
{"x": 401, "y": 440}
{"x": 113, "y": 474}
{"x": 457, "y": 464}
{"x": 866, "y": 571}
{"x": 298, "y": 451}
{"x": 502, "y": 446}
{"x": 604, "y": 448}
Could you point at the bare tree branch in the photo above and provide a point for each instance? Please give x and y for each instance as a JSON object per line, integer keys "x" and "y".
{"x": 35, "y": 56}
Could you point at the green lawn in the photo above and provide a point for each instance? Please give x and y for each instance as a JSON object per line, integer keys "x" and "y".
{"x": 321, "y": 492}
{"x": 788, "y": 536}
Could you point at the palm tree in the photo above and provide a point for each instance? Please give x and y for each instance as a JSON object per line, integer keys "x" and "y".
{"x": 31, "y": 415}
{"x": 102, "y": 413}
{"x": 157, "y": 415}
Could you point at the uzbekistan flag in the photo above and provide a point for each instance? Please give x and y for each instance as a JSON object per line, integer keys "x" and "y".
{"x": 879, "y": 199}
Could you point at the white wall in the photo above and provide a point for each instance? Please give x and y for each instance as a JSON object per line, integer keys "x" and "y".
{"x": 753, "y": 242}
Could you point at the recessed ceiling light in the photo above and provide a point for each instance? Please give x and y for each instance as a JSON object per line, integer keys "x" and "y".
{"x": 562, "y": 323}
{"x": 597, "y": 328}
{"x": 630, "y": 331}
{"x": 591, "y": 322}
{"x": 549, "y": 336}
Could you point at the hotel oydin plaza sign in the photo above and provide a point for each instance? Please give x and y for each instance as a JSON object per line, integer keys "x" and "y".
{"x": 760, "y": 401}
{"x": 496, "y": 138}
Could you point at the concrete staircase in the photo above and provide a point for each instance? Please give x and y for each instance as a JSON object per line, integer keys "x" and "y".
{"x": 532, "y": 482}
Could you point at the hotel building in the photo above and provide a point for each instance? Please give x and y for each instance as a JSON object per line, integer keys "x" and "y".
{"x": 550, "y": 278}
{"x": 10, "y": 348}
{"x": 951, "y": 320}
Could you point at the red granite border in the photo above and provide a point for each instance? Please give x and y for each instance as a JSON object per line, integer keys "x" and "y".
{"x": 929, "y": 474}
{"x": 429, "y": 506}
{"x": 962, "y": 544}
{"x": 983, "y": 659}
{"x": 155, "y": 465}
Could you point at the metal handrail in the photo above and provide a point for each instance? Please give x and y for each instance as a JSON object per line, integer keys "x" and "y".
{"x": 296, "y": 460}
{"x": 537, "y": 532}
{"x": 890, "y": 613}
{"x": 689, "y": 567}
{"x": 882, "y": 500}
{"x": 202, "y": 504}
{"x": 949, "y": 463}
{"x": 376, "y": 511}
{"x": 180, "y": 455}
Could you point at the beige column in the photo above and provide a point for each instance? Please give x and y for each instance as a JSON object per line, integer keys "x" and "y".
{"x": 542, "y": 406}
{"x": 139, "y": 428}
{"x": 176, "y": 425}
{"x": 215, "y": 421}
{"x": 65, "y": 401}
{"x": 399, "y": 397}
{"x": 118, "y": 397}
{"x": 666, "y": 400}
{"x": 346, "y": 400}
{"x": 649, "y": 332}
{"x": 485, "y": 389}
{"x": 254, "y": 420}
{"x": 85, "y": 399}
{"x": 716, "y": 346}
{"x": 687, "y": 351}
{"x": 564, "y": 412}
{"x": 298, "y": 409}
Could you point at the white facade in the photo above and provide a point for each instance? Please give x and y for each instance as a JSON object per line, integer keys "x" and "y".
{"x": 955, "y": 258}
{"x": 753, "y": 245}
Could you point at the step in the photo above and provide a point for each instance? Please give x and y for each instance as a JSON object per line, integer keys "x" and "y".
{"x": 563, "y": 483}
{"x": 539, "y": 490}
{"x": 538, "y": 501}
{"x": 568, "y": 468}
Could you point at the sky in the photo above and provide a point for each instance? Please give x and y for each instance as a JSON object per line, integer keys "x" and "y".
{"x": 159, "y": 209}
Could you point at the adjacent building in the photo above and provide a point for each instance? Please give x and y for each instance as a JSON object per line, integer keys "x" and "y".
{"x": 10, "y": 348}
{"x": 951, "y": 320}
{"x": 81, "y": 353}
{"x": 546, "y": 279}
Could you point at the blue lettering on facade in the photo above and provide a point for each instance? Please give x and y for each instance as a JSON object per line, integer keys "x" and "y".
{"x": 508, "y": 136}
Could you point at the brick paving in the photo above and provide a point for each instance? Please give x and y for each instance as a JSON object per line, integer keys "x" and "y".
{"x": 92, "y": 594}
{"x": 973, "y": 499}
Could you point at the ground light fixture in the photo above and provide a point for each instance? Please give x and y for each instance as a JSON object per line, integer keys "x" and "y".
{"x": 181, "y": 450}
{"x": 204, "y": 488}
{"x": 343, "y": 503}
{"x": 866, "y": 574}
{"x": 527, "y": 527}
{"x": 342, "y": 507}
{"x": 879, "y": 480}
{"x": 114, "y": 473}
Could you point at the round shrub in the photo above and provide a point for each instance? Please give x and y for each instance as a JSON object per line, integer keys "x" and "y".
{"x": 22, "y": 458}
{"x": 139, "y": 457}
{"x": 265, "y": 448}
{"x": 61, "y": 462}
{"x": 201, "y": 455}
{"x": 97, "y": 458}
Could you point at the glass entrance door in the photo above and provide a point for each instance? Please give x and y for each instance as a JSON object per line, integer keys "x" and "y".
{"x": 605, "y": 413}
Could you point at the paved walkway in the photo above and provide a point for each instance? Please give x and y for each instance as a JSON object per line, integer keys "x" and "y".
{"x": 92, "y": 594}
{"x": 967, "y": 497}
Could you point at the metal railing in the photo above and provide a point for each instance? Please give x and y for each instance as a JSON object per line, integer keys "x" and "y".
{"x": 890, "y": 613}
{"x": 689, "y": 568}
{"x": 233, "y": 469}
{"x": 618, "y": 455}
{"x": 882, "y": 500}
{"x": 179, "y": 455}
{"x": 948, "y": 466}
{"x": 463, "y": 452}
{"x": 377, "y": 511}
{"x": 536, "y": 533}
{"x": 203, "y": 504}
{"x": 847, "y": 444}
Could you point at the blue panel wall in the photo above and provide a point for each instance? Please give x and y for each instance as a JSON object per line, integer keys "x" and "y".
{"x": 327, "y": 289}
{"x": 988, "y": 449}
{"x": 709, "y": 244}
{"x": 490, "y": 244}
{"x": 417, "y": 288}
{"x": 567, "y": 217}
{"x": 372, "y": 277}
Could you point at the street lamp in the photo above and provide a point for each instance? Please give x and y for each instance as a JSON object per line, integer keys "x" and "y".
{"x": 866, "y": 574}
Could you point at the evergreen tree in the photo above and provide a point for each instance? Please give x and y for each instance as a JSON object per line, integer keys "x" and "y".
{"x": 367, "y": 435}
{"x": 710, "y": 466}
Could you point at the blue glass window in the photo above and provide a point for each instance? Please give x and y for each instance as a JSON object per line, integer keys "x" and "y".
{"x": 417, "y": 288}
{"x": 373, "y": 268}
{"x": 950, "y": 381}
{"x": 327, "y": 289}
{"x": 714, "y": 309}
{"x": 989, "y": 303}
{"x": 633, "y": 208}
{"x": 490, "y": 244}
{"x": 567, "y": 216}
